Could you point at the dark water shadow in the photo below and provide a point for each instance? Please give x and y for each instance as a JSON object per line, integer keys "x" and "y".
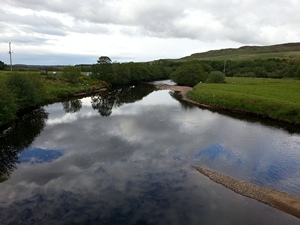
{"x": 115, "y": 98}
{"x": 17, "y": 137}
{"x": 72, "y": 106}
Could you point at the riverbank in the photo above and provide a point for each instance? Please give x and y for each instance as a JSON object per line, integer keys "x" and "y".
{"x": 22, "y": 92}
{"x": 266, "y": 98}
{"x": 280, "y": 200}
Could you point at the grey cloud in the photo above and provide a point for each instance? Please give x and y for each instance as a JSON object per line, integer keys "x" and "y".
{"x": 30, "y": 29}
{"x": 251, "y": 21}
{"x": 246, "y": 21}
{"x": 44, "y": 25}
{"x": 23, "y": 39}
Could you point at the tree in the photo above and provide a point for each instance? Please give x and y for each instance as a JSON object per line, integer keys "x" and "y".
{"x": 71, "y": 73}
{"x": 260, "y": 72}
{"x": 103, "y": 70}
{"x": 2, "y": 65}
{"x": 103, "y": 60}
{"x": 215, "y": 77}
{"x": 139, "y": 72}
{"x": 189, "y": 74}
{"x": 122, "y": 73}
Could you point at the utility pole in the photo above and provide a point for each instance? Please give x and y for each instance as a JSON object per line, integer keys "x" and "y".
{"x": 224, "y": 71}
{"x": 10, "y": 52}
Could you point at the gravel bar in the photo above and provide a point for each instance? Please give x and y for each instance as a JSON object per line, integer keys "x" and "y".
{"x": 280, "y": 200}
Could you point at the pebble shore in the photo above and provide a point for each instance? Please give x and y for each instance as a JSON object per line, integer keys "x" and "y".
{"x": 280, "y": 200}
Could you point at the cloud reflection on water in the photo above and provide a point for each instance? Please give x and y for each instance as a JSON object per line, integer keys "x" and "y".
{"x": 133, "y": 167}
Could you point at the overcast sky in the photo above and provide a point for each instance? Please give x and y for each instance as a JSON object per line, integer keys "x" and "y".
{"x": 69, "y": 32}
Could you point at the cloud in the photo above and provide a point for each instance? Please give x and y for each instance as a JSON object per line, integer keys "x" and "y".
{"x": 213, "y": 22}
{"x": 190, "y": 19}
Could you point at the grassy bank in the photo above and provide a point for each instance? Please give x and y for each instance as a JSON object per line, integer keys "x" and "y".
{"x": 21, "y": 91}
{"x": 274, "y": 98}
{"x": 57, "y": 88}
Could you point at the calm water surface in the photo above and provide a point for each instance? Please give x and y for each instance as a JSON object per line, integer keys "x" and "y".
{"x": 125, "y": 158}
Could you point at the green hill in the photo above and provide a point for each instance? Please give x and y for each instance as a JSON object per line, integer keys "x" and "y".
{"x": 288, "y": 50}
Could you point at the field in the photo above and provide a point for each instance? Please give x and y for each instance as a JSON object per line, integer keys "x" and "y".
{"x": 282, "y": 51}
{"x": 273, "y": 98}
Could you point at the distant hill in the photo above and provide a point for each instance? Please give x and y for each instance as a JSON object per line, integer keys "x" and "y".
{"x": 288, "y": 50}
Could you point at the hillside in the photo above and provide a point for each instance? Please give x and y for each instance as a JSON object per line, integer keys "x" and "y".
{"x": 288, "y": 50}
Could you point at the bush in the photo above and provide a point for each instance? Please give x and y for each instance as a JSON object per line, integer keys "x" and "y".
{"x": 27, "y": 88}
{"x": 8, "y": 105}
{"x": 189, "y": 74}
{"x": 215, "y": 77}
{"x": 71, "y": 73}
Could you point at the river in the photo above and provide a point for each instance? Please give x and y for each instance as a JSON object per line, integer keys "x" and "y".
{"x": 126, "y": 157}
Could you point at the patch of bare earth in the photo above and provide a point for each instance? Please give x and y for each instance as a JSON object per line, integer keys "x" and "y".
{"x": 183, "y": 90}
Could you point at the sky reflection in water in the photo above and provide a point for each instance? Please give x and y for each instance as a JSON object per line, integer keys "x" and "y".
{"x": 133, "y": 167}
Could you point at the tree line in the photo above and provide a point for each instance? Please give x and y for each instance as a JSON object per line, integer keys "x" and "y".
{"x": 192, "y": 72}
{"x": 130, "y": 73}
{"x": 262, "y": 68}
{"x": 20, "y": 91}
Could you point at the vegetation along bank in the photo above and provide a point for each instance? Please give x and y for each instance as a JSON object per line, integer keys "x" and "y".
{"x": 226, "y": 83}
{"x": 277, "y": 99}
{"x": 30, "y": 87}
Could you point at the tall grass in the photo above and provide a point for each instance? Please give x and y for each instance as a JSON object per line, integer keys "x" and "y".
{"x": 273, "y": 98}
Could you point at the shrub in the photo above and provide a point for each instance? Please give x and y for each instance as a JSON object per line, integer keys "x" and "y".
{"x": 215, "y": 77}
{"x": 27, "y": 88}
{"x": 189, "y": 74}
{"x": 71, "y": 73}
{"x": 8, "y": 105}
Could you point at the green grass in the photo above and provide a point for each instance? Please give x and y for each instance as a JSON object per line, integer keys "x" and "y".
{"x": 57, "y": 88}
{"x": 273, "y": 98}
{"x": 286, "y": 51}
{"x": 53, "y": 88}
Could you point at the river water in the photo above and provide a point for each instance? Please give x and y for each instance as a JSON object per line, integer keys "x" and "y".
{"x": 125, "y": 157}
